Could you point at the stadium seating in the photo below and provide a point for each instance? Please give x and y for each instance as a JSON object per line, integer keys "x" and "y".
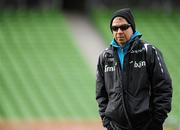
{"x": 42, "y": 73}
{"x": 44, "y": 76}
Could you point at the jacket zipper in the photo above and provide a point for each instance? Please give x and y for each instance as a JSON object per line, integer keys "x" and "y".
{"x": 123, "y": 102}
{"x": 125, "y": 110}
{"x": 124, "y": 106}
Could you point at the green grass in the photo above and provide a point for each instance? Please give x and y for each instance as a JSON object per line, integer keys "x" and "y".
{"x": 42, "y": 73}
{"x": 160, "y": 29}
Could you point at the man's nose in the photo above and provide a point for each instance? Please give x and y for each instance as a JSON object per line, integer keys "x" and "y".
{"x": 119, "y": 30}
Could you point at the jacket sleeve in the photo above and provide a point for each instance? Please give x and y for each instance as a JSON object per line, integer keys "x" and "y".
{"x": 161, "y": 87}
{"x": 101, "y": 94}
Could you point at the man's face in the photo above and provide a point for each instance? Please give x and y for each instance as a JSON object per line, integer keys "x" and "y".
{"x": 121, "y": 30}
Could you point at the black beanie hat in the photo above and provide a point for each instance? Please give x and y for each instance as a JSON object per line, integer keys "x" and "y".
{"x": 125, "y": 13}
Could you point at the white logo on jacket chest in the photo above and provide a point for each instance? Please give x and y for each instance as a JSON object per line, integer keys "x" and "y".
{"x": 139, "y": 64}
{"x": 109, "y": 68}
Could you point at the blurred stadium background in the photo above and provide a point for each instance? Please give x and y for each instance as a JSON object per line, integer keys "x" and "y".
{"x": 47, "y": 81}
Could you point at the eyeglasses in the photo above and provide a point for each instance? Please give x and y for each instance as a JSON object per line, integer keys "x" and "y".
{"x": 123, "y": 27}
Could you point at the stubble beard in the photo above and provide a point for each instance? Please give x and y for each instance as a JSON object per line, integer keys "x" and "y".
{"x": 121, "y": 41}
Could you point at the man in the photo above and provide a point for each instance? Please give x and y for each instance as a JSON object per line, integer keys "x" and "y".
{"x": 133, "y": 86}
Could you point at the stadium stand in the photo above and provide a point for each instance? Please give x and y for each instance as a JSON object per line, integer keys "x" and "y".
{"x": 42, "y": 73}
{"x": 43, "y": 76}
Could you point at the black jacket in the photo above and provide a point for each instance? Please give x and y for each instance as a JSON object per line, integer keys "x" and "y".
{"x": 140, "y": 93}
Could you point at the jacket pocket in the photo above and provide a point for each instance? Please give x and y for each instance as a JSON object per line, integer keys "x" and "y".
{"x": 115, "y": 110}
{"x": 139, "y": 109}
{"x": 153, "y": 125}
